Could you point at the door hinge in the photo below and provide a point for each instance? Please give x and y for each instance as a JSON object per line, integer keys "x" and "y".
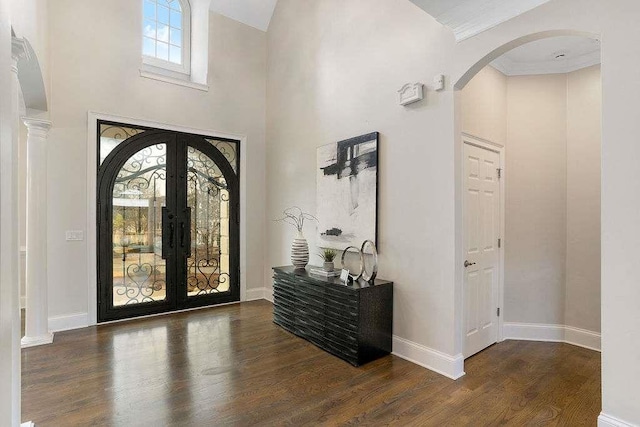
{"x": 499, "y": 173}
{"x": 499, "y": 243}
{"x": 498, "y": 311}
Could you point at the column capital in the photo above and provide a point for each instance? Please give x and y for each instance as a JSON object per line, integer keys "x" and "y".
{"x": 37, "y": 127}
{"x": 18, "y": 50}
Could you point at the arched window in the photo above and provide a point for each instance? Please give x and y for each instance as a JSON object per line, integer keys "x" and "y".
{"x": 166, "y": 34}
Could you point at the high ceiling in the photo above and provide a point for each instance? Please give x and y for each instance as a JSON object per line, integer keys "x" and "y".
{"x": 555, "y": 55}
{"x": 466, "y": 18}
{"x": 255, "y": 13}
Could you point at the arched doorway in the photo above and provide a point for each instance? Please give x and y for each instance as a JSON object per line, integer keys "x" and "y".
{"x": 466, "y": 77}
{"x": 168, "y": 221}
{"x": 496, "y": 311}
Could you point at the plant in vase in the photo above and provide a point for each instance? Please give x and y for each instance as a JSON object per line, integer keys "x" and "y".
{"x": 299, "y": 248}
{"x": 328, "y": 255}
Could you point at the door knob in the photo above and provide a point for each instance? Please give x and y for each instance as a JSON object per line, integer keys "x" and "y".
{"x": 469, "y": 264}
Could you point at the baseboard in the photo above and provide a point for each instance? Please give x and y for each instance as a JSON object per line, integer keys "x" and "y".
{"x": 254, "y": 294}
{"x": 605, "y": 420}
{"x": 27, "y": 342}
{"x": 268, "y": 294}
{"x": 583, "y": 338}
{"x": 533, "y": 332}
{"x": 66, "y": 323}
{"x": 552, "y": 333}
{"x": 434, "y": 360}
{"x": 28, "y": 424}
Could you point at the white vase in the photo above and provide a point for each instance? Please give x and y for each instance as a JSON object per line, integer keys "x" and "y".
{"x": 299, "y": 252}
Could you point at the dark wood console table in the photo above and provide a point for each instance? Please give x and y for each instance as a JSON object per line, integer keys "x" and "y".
{"x": 353, "y": 322}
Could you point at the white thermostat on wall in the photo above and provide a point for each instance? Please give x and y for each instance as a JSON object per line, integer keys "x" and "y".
{"x": 410, "y": 93}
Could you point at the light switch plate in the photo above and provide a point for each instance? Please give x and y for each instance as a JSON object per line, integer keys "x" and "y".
{"x": 75, "y": 235}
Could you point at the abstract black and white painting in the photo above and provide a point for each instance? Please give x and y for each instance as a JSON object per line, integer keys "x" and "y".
{"x": 347, "y": 192}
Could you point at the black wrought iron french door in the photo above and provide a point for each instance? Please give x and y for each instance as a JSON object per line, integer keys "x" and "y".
{"x": 168, "y": 221}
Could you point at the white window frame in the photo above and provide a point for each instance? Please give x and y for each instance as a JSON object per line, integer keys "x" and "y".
{"x": 169, "y": 69}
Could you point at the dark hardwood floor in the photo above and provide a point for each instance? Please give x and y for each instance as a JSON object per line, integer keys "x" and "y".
{"x": 232, "y": 366}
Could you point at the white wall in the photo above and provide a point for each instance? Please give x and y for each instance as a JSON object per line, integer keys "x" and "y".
{"x": 552, "y": 241}
{"x": 536, "y": 199}
{"x": 334, "y": 68}
{"x": 9, "y": 345}
{"x": 615, "y": 23}
{"x": 620, "y": 207}
{"x": 22, "y": 197}
{"x": 334, "y": 71}
{"x": 95, "y": 61}
{"x": 484, "y": 106}
{"x": 584, "y": 100}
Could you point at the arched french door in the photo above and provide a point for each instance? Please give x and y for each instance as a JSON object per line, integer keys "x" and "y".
{"x": 168, "y": 222}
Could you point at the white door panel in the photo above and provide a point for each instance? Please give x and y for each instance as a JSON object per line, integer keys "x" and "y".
{"x": 487, "y": 307}
{"x": 471, "y": 299}
{"x": 473, "y": 207}
{"x": 482, "y": 222}
{"x": 488, "y": 224}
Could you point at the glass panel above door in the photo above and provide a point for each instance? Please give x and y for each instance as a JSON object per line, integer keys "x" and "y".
{"x": 208, "y": 203}
{"x": 229, "y": 150}
{"x": 139, "y": 194}
{"x": 113, "y": 134}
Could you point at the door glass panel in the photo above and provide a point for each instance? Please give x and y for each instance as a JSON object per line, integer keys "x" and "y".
{"x": 208, "y": 201}
{"x": 112, "y": 135}
{"x": 139, "y": 194}
{"x": 229, "y": 150}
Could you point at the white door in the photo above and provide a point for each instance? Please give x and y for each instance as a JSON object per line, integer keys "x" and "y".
{"x": 482, "y": 255}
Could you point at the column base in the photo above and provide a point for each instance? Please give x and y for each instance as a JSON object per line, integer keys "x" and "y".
{"x": 36, "y": 341}
{"x": 27, "y": 424}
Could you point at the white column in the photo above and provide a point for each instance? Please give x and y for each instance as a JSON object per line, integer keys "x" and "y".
{"x": 37, "y": 307}
{"x": 9, "y": 239}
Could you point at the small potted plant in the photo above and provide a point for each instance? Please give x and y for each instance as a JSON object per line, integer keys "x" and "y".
{"x": 328, "y": 255}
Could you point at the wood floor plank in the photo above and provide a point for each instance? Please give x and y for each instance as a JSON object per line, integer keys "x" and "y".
{"x": 232, "y": 366}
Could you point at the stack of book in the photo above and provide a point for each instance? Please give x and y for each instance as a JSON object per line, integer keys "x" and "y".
{"x": 319, "y": 271}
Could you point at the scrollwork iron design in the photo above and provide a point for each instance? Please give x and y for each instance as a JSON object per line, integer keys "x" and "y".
{"x": 229, "y": 150}
{"x": 112, "y": 135}
{"x": 119, "y": 132}
{"x": 207, "y": 194}
{"x": 142, "y": 169}
{"x": 143, "y": 284}
{"x": 138, "y": 194}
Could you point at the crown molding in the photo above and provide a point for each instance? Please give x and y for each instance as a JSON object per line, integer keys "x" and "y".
{"x": 475, "y": 16}
{"x": 472, "y": 18}
{"x": 512, "y": 68}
